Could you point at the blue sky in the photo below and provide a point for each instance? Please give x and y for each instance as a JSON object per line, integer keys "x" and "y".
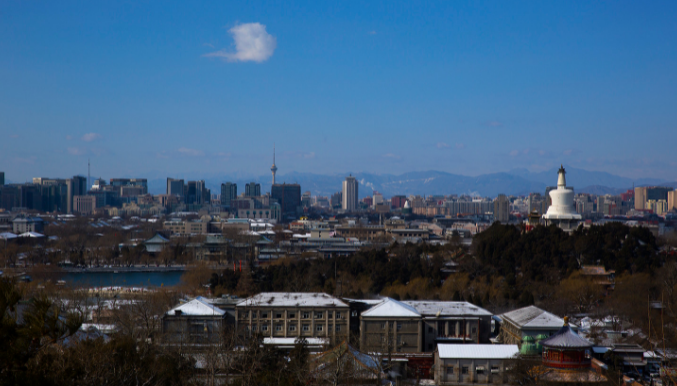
{"x": 162, "y": 88}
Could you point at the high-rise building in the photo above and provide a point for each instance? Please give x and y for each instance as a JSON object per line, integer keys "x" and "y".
{"x": 2, "y": 178}
{"x": 655, "y": 193}
{"x": 175, "y": 187}
{"x": 196, "y": 193}
{"x": 288, "y": 196}
{"x": 228, "y": 193}
{"x": 77, "y": 186}
{"x": 84, "y": 204}
{"x": 252, "y": 189}
{"x": 502, "y": 209}
{"x": 350, "y": 198}
{"x": 336, "y": 200}
{"x": 120, "y": 182}
{"x": 398, "y": 201}
{"x": 672, "y": 200}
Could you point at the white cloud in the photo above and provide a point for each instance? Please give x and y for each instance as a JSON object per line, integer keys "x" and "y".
{"x": 442, "y": 145}
{"x": 460, "y": 146}
{"x": 541, "y": 152}
{"x": 372, "y": 32}
{"x": 514, "y": 153}
{"x": 89, "y": 137}
{"x": 76, "y": 151}
{"x": 391, "y": 155}
{"x": 69, "y": 137}
{"x": 568, "y": 152}
{"x": 191, "y": 152}
{"x": 252, "y": 44}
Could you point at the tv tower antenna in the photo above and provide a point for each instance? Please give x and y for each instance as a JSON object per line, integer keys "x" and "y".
{"x": 89, "y": 168}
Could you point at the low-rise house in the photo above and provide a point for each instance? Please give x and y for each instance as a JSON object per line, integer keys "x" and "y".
{"x": 477, "y": 364}
{"x": 419, "y": 325}
{"x": 528, "y": 321}
{"x": 294, "y": 314}
{"x": 23, "y": 224}
{"x": 194, "y": 322}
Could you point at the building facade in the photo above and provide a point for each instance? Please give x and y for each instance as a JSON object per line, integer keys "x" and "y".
{"x": 289, "y": 198}
{"x": 293, "y": 315}
{"x": 350, "y": 194}
{"x": 228, "y": 193}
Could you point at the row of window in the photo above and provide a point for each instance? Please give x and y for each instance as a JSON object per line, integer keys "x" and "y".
{"x": 291, "y": 315}
{"x": 292, "y": 327}
{"x": 479, "y": 370}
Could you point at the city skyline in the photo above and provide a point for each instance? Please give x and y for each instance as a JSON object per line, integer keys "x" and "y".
{"x": 466, "y": 88}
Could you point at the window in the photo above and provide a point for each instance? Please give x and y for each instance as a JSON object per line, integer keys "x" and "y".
{"x": 264, "y": 315}
{"x": 495, "y": 369}
{"x": 338, "y": 328}
{"x": 450, "y": 370}
{"x": 264, "y": 327}
{"x": 354, "y": 314}
{"x": 245, "y": 314}
{"x": 464, "y": 370}
{"x": 479, "y": 370}
{"x": 399, "y": 326}
{"x": 430, "y": 346}
{"x": 306, "y": 315}
{"x": 292, "y": 315}
{"x": 328, "y": 314}
{"x": 278, "y": 315}
{"x": 474, "y": 330}
{"x": 383, "y": 326}
{"x": 306, "y": 327}
{"x": 254, "y": 327}
{"x": 278, "y": 327}
{"x": 319, "y": 327}
{"x": 292, "y": 327}
{"x": 318, "y": 315}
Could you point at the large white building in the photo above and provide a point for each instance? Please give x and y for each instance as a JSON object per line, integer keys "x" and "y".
{"x": 562, "y": 211}
{"x": 350, "y": 194}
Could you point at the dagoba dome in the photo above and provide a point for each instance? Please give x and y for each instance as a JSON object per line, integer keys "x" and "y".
{"x": 562, "y": 211}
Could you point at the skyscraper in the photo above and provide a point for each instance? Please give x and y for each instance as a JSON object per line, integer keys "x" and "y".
{"x": 252, "y": 189}
{"x": 273, "y": 169}
{"x": 288, "y": 196}
{"x": 502, "y": 209}
{"x": 2, "y": 178}
{"x": 350, "y": 197}
{"x": 175, "y": 187}
{"x": 228, "y": 193}
{"x": 77, "y": 186}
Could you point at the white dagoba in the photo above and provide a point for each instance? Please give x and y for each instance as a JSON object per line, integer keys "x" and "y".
{"x": 562, "y": 211}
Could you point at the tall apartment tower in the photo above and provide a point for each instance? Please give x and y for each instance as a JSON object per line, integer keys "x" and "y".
{"x": 2, "y": 178}
{"x": 252, "y": 189}
{"x": 175, "y": 187}
{"x": 77, "y": 186}
{"x": 228, "y": 193}
{"x": 640, "y": 197}
{"x": 350, "y": 194}
{"x": 502, "y": 209}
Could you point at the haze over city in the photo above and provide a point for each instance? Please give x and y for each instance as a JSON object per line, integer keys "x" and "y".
{"x": 195, "y": 89}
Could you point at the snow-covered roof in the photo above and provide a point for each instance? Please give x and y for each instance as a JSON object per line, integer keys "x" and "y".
{"x": 372, "y": 302}
{"x": 477, "y": 351}
{"x": 391, "y": 308}
{"x": 431, "y": 308}
{"x": 566, "y": 338}
{"x": 196, "y": 307}
{"x": 32, "y": 234}
{"x": 7, "y": 236}
{"x": 292, "y": 341}
{"x": 533, "y": 317}
{"x": 292, "y": 299}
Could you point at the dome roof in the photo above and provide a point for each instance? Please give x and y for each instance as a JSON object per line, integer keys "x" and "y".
{"x": 528, "y": 339}
{"x": 566, "y": 338}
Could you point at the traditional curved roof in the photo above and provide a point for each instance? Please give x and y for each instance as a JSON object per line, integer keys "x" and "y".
{"x": 566, "y": 338}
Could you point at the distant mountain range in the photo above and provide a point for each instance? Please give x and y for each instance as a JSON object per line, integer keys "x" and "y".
{"x": 514, "y": 182}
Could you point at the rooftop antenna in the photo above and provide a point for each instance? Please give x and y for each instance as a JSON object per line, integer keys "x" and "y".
{"x": 89, "y": 181}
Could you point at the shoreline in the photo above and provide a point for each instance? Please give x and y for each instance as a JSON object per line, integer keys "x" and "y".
{"x": 123, "y": 269}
